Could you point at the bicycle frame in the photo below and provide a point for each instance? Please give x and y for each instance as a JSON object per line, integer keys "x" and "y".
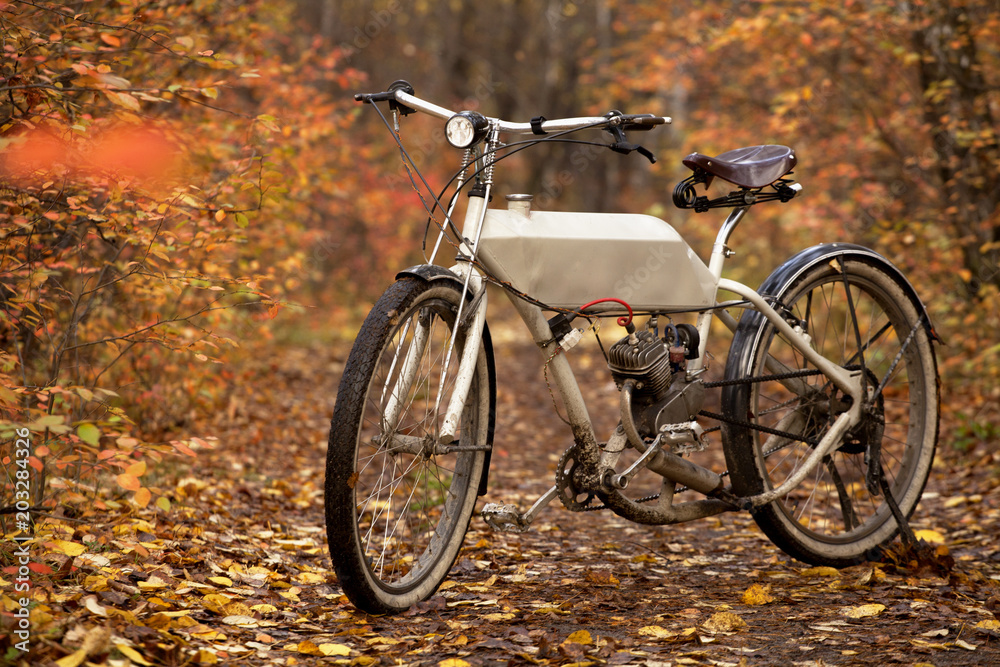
{"x": 668, "y": 465}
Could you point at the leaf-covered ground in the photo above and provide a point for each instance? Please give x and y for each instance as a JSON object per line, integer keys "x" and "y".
{"x": 237, "y": 569}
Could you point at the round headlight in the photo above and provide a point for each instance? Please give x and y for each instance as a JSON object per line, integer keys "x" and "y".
{"x": 466, "y": 128}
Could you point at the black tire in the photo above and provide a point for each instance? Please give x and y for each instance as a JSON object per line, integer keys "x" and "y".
{"x": 832, "y": 518}
{"x": 397, "y": 508}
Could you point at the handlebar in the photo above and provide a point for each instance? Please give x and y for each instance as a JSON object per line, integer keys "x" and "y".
{"x": 625, "y": 121}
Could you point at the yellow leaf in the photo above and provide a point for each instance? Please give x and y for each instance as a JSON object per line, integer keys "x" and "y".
{"x": 496, "y": 618}
{"x": 234, "y": 608}
{"x": 453, "y": 662}
{"x": 74, "y": 659}
{"x": 264, "y": 608}
{"x": 580, "y": 637}
{"x": 863, "y": 611}
{"x": 820, "y": 572}
{"x": 69, "y": 548}
{"x": 307, "y": 647}
{"x": 991, "y": 624}
{"x": 724, "y": 621}
{"x": 206, "y": 657}
{"x": 656, "y": 632}
{"x": 221, "y": 581}
{"x": 334, "y": 649}
{"x": 309, "y": 578}
{"x": 132, "y": 654}
{"x": 163, "y": 503}
{"x": 931, "y": 536}
{"x": 758, "y": 595}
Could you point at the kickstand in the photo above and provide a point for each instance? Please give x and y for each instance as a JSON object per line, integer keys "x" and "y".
{"x": 905, "y": 532}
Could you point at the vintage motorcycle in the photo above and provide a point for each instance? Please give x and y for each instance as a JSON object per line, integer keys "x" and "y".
{"x": 829, "y": 402}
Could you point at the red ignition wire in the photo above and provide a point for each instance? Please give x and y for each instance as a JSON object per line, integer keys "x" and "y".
{"x": 623, "y": 320}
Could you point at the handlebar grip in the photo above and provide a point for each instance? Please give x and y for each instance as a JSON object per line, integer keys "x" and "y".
{"x": 389, "y": 95}
{"x": 368, "y": 98}
{"x": 643, "y": 121}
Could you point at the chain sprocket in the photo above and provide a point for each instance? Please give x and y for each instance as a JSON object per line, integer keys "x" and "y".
{"x": 566, "y": 482}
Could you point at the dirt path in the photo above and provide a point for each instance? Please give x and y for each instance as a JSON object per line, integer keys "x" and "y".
{"x": 238, "y": 569}
{"x": 592, "y": 588}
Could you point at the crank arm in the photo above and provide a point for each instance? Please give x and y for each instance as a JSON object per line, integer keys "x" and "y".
{"x": 621, "y": 481}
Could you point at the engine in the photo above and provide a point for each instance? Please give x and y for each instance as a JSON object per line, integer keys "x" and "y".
{"x": 662, "y": 393}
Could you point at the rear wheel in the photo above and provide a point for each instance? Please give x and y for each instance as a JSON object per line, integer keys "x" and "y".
{"x": 858, "y": 316}
{"x": 398, "y": 501}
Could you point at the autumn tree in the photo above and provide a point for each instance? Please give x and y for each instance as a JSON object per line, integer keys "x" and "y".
{"x": 148, "y": 221}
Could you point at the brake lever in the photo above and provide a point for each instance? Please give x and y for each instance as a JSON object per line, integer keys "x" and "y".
{"x": 390, "y": 96}
{"x": 621, "y": 145}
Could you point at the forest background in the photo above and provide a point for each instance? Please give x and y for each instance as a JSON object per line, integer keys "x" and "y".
{"x": 186, "y": 183}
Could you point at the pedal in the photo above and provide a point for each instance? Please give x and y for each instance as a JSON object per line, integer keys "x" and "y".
{"x": 684, "y": 438}
{"x": 504, "y": 518}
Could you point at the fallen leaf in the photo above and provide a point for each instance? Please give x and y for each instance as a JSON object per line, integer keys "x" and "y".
{"x": 334, "y": 649}
{"x": 90, "y": 602}
{"x": 69, "y": 548}
{"x": 602, "y": 577}
{"x": 931, "y": 536}
{"x": 820, "y": 572}
{"x": 863, "y": 611}
{"x": 132, "y": 654}
{"x": 495, "y": 618}
{"x": 579, "y": 637}
{"x": 758, "y": 595}
{"x": 240, "y": 620}
{"x": 870, "y": 576}
{"x": 656, "y": 632}
{"x": 724, "y": 621}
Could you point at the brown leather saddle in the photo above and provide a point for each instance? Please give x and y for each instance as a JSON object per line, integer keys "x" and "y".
{"x": 750, "y": 167}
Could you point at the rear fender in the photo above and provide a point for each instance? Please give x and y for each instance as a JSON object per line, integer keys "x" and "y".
{"x": 799, "y": 263}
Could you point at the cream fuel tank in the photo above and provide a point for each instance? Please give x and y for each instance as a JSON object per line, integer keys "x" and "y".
{"x": 569, "y": 259}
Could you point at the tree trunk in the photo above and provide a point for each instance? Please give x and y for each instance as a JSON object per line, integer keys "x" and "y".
{"x": 957, "y": 109}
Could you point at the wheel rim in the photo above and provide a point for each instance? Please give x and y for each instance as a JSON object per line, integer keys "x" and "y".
{"x": 409, "y": 498}
{"x": 834, "y": 503}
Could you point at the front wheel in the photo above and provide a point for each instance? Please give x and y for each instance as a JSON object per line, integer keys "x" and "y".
{"x": 860, "y": 315}
{"x": 398, "y": 501}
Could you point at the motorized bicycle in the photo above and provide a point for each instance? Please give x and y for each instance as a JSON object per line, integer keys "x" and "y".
{"x": 829, "y": 401}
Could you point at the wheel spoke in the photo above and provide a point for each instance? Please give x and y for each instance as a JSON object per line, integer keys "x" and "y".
{"x": 860, "y": 317}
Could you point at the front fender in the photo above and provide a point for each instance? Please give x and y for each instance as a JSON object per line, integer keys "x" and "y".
{"x": 431, "y": 273}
